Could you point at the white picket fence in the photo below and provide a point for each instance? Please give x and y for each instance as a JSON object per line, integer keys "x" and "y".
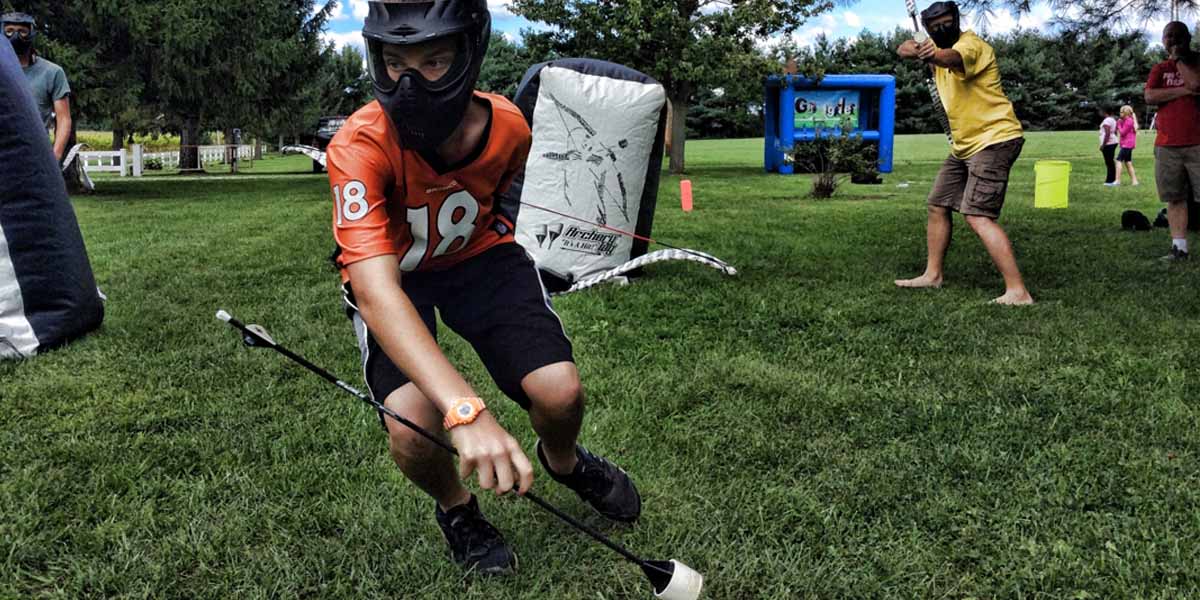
{"x": 133, "y": 160}
{"x": 104, "y": 162}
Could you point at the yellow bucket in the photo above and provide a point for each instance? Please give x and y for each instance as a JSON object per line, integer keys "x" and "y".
{"x": 1053, "y": 182}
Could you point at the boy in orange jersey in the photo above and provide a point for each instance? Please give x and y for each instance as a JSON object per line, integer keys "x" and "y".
{"x": 416, "y": 177}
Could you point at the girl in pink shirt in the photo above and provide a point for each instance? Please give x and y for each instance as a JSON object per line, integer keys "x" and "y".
{"x": 1127, "y": 127}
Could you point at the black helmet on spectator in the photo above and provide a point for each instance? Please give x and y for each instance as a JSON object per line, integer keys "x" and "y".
{"x": 21, "y": 42}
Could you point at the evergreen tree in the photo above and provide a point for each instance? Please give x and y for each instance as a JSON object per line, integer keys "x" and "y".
{"x": 1096, "y": 14}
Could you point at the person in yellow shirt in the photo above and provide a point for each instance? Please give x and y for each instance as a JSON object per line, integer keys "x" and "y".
{"x": 987, "y": 141}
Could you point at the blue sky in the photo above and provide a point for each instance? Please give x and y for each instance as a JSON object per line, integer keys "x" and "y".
{"x": 842, "y": 22}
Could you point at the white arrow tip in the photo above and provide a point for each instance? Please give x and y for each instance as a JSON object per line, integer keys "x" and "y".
{"x": 224, "y": 316}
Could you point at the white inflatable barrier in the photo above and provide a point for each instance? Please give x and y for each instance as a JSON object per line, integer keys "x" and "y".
{"x": 308, "y": 151}
{"x": 598, "y": 133}
{"x": 75, "y": 154}
{"x": 48, "y": 294}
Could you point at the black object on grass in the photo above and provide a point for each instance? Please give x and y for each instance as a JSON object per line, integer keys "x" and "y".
{"x": 1134, "y": 220}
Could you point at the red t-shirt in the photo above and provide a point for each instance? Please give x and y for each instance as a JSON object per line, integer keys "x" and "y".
{"x": 389, "y": 200}
{"x": 1178, "y": 121}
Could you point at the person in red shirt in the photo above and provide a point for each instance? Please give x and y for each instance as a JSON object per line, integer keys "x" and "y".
{"x": 415, "y": 177}
{"x": 1173, "y": 85}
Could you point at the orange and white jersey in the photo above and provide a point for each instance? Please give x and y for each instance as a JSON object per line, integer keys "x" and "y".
{"x": 390, "y": 200}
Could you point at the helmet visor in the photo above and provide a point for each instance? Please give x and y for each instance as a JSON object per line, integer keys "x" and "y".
{"x": 438, "y": 63}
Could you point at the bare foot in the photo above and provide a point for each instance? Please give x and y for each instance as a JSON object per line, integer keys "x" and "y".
{"x": 924, "y": 281}
{"x": 1014, "y": 298}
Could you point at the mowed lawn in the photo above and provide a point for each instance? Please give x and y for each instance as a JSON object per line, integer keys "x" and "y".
{"x": 802, "y": 430}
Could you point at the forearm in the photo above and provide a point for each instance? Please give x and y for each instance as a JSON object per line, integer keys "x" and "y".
{"x": 1160, "y": 96}
{"x": 1189, "y": 69}
{"x": 948, "y": 59}
{"x": 62, "y": 134}
{"x": 930, "y": 55}
{"x": 397, "y": 326}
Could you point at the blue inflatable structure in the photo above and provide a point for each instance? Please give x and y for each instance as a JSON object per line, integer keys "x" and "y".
{"x": 798, "y": 109}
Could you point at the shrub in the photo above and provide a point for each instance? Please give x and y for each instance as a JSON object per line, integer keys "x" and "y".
{"x": 151, "y": 142}
{"x": 836, "y": 158}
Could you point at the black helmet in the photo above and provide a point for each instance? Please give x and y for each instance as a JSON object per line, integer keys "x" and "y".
{"x": 939, "y": 9}
{"x": 947, "y": 35}
{"x": 20, "y": 43}
{"x": 426, "y": 112}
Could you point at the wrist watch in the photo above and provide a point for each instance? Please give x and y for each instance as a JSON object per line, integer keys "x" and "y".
{"x": 463, "y": 411}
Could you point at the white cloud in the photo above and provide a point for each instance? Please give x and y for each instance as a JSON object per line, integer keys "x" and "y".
{"x": 360, "y": 8}
{"x": 346, "y": 38}
{"x": 808, "y": 37}
{"x": 847, "y": 23}
{"x": 1004, "y": 21}
{"x": 1000, "y": 21}
{"x": 342, "y": 11}
{"x": 339, "y": 12}
{"x": 499, "y": 8}
{"x": 1153, "y": 30}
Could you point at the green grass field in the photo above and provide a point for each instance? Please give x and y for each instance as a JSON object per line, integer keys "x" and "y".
{"x": 804, "y": 430}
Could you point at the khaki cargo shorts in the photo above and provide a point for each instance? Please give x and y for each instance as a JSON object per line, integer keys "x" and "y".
{"x": 977, "y": 185}
{"x": 1177, "y": 172}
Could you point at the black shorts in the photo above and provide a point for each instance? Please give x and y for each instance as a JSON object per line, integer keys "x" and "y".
{"x": 495, "y": 301}
{"x": 1125, "y": 155}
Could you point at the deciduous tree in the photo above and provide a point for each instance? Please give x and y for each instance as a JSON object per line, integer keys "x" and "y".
{"x": 684, "y": 44}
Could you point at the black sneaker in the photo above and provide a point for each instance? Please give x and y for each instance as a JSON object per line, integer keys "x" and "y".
{"x": 1175, "y": 254}
{"x": 603, "y": 485}
{"x": 473, "y": 541}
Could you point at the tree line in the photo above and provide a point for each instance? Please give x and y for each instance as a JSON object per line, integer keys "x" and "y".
{"x": 189, "y": 67}
{"x": 1056, "y": 81}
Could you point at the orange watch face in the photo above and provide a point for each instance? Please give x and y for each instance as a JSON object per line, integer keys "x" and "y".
{"x": 464, "y": 411}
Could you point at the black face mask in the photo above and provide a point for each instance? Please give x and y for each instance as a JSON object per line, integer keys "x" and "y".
{"x": 424, "y": 112}
{"x": 945, "y": 36}
{"x": 20, "y": 43}
{"x": 425, "y": 118}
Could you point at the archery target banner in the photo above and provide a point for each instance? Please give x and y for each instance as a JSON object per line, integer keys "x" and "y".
{"x": 48, "y": 294}
{"x": 596, "y": 155}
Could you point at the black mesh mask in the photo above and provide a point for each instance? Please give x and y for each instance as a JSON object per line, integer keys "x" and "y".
{"x": 425, "y": 112}
{"x": 21, "y": 42}
{"x": 944, "y": 36}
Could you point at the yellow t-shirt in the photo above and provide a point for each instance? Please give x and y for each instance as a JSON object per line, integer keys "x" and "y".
{"x": 980, "y": 114}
